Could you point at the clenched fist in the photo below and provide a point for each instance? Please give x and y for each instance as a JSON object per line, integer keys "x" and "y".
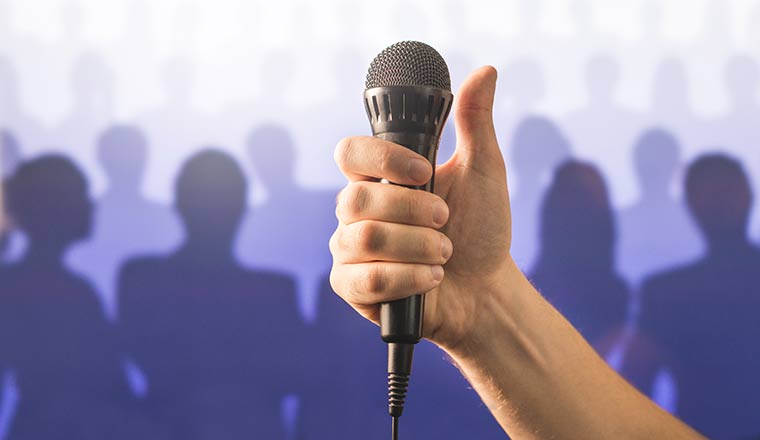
{"x": 393, "y": 242}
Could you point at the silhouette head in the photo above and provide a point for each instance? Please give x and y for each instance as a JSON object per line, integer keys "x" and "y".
{"x": 272, "y": 152}
{"x": 741, "y": 79}
{"x": 670, "y": 89}
{"x": 602, "y": 77}
{"x": 10, "y": 154}
{"x": 525, "y": 83}
{"x": 211, "y": 193}
{"x": 538, "y": 147}
{"x": 719, "y": 197}
{"x": 122, "y": 152}
{"x": 657, "y": 154}
{"x": 48, "y": 200}
{"x": 577, "y": 223}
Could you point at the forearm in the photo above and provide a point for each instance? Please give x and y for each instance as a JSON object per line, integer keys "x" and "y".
{"x": 540, "y": 378}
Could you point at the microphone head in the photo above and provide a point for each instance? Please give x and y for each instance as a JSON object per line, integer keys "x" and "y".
{"x": 409, "y": 63}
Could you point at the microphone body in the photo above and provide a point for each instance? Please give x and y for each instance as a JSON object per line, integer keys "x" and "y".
{"x": 411, "y": 116}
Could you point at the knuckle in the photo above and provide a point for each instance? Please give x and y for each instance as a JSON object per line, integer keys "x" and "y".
{"x": 334, "y": 243}
{"x": 355, "y": 200}
{"x": 375, "y": 281}
{"x": 370, "y": 237}
{"x": 336, "y": 282}
{"x": 385, "y": 161}
{"x": 342, "y": 151}
{"x": 426, "y": 246}
{"x": 411, "y": 204}
{"x": 421, "y": 278}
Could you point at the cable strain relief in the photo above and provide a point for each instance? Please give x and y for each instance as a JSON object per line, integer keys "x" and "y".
{"x": 397, "y": 386}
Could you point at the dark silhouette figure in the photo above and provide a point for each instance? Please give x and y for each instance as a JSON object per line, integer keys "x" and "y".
{"x": 219, "y": 344}
{"x": 9, "y": 158}
{"x": 703, "y": 316}
{"x": 53, "y": 334}
{"x": 126, "y": 224}
{"x": 655, "y": 232}
{"x": 576, "y": 264}
{"x": 738, "y": 129}
{"x": 289, "y": 232}
{"x": 344, "y": 392}
{"x": 538, "y": 147}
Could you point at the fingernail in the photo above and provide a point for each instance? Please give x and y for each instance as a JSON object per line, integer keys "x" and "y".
{"x": 446, "y": 248}
{"x": 440, "y": 213}
{"x": 418, "y": 170}
{"x": 437, "y": 272}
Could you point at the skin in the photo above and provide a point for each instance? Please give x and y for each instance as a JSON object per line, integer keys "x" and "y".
{"x": 533, "y": 370}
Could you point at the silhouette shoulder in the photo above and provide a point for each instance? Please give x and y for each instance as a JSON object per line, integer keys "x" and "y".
{"x": 669, "y": 282}
{"x": 278, "y": 280}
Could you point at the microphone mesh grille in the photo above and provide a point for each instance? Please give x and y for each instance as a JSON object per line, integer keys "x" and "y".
{"x": 409, "y": 63}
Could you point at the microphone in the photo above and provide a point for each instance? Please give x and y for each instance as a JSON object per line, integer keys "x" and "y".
{"x": 408, "y": 99}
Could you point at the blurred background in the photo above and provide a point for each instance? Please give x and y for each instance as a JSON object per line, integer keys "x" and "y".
{"x": 168, "y": 194}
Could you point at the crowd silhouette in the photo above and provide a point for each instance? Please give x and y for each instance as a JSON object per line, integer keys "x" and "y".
{"x": 155, "y": 287}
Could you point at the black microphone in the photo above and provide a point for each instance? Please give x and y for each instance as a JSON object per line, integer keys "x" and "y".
{"x": 408, "y": 100}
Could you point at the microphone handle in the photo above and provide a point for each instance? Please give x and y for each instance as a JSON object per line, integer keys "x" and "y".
{"x": 401, "y": 320}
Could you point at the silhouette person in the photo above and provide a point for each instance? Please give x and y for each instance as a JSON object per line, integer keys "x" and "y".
{"x": 343, "y": 396}
{"x": 655, "y": 231}
{"x": 703, "y": 315}
{"x": 581, "y": 280}
{"x": 218, "y": 343}
{"x": 126, "y": 224}
{"x": 9, "y": 158}
{"x": 671, "y": 105}
{"x": 738, "y": 128}
{"x": 289, "y": 232}
{"x": 603, "y": 127}
{"x": 177, "y": 126}
{"x": 53, "y": 334}
{"x": 524, "y": 88}
{"x": 538, "y": 148}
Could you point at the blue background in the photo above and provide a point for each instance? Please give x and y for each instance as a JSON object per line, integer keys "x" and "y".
{"x": 169, "y": 193}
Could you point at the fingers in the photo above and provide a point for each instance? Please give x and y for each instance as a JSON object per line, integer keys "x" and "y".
{"x": 376, "y": 282}
{"x": 367, "y": 158}
{"x": 370, "y": 240}
{"x": 476, "y": 136}
{"x": 390, "y": 203}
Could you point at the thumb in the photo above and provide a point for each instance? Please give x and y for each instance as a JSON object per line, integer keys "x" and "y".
{"x": 473, "y": 116}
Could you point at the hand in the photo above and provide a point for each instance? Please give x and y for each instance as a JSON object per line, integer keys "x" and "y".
{"x": 393, "y": 242}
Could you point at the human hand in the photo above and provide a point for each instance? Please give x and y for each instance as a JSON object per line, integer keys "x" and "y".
{"x": 393, "y": 242}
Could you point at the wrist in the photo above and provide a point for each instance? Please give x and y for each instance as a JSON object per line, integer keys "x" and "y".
{"x": 499, "y": 301}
